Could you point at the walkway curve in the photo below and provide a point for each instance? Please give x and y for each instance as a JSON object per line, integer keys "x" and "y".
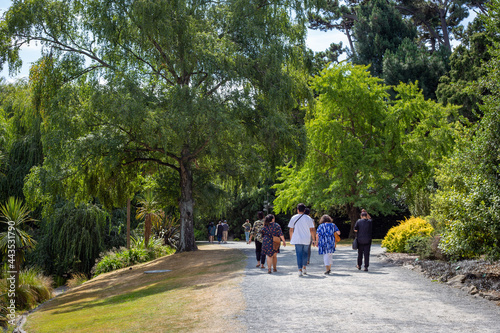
{"x": 385, "y": 299}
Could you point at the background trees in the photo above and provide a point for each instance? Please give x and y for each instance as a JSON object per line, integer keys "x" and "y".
{"x": 186, "y": 84}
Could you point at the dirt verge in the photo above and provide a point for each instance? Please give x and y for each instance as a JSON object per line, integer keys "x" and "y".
{"x": 480, "y": 278}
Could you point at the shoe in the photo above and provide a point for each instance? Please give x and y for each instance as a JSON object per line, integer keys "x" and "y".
{"x": 258, "y": 265}
{"x": 366, "y": 269}
{"x": 327, "y": 272}
{"x": 300, "y": 273}
{"x": 275, "y": 270}
{"x": 269, "y": 271}
{"x": 304, "y": 271}
{"x": 358, "y": 267}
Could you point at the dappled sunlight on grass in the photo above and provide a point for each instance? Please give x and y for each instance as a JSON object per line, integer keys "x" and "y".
{"x": 129, "y": 300}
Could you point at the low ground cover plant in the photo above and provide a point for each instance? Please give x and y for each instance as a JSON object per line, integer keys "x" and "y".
{"x": 123, "y": 257}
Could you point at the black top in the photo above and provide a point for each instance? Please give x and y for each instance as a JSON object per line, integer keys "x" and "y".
{"x": 364, "y": 228}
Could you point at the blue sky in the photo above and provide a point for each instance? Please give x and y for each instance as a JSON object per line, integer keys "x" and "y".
{"x": 316, "y": 41}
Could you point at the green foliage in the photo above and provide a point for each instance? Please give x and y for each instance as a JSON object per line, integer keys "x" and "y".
{"x": 200, "y": 234}
{"x": 71, "y": 238}
{"x": 362, "y": 146}
{"x": 420, "y": 245}
{"x": 467, "y": 204}
{"x": 379, "y": 28}
{"x": 116, "y": 259}
{"x": 410, "y": 63}
{"x": 468, "y": 64}
{"x": 34, "y": 288}
{"x": 15, "y": 214}
{"x": 398, "y": 237}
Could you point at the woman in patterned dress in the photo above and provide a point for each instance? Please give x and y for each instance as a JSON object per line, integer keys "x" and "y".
{"x": 325, "y": 239}
{"x": 271, "y": 229}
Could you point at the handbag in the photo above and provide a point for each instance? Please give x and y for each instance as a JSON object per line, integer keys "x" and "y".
{"x": 337, "y": 237}
{"x": 355, "y": 244}
{"x": 276, "y": 243}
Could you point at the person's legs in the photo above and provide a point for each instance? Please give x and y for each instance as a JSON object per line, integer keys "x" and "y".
{"x": 269, "y": 263}
{"x": 360, "y": 255}
{"x": 299, "y": 251}
{"x": 219, "y": 237}
{"x": 366, "y": 251}
{"x": 275, "y": 261}
{"x": 247, "y": 236}
{"x": 224, "y": 236}
{"x": 258, "y": 249}
{"x": 309, "y": 253}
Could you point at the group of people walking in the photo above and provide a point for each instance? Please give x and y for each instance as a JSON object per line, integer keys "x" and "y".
{"x": 220, "y": 230}
{"x": 303, "y": 234}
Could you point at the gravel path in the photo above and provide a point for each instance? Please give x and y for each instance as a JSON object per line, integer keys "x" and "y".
{"x": 385, "y": 299}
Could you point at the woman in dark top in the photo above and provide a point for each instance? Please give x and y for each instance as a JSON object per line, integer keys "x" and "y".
{"x": 270, "y": 230}
{"x": 363, "y": 230}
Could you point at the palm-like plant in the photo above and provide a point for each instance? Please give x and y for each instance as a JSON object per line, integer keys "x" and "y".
{"x": 15, "y": 214}
{"x": 151, "y": 213}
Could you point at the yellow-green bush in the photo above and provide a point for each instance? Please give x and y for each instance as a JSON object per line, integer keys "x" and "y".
{"x": 398, "y": 236}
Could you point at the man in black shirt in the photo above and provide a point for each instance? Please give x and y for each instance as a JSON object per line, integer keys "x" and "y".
{"x": 363, "y": 230}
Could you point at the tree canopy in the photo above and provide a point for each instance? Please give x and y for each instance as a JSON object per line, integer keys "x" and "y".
{"x": 185, "y": 84}
{"x": 363, "y": 147}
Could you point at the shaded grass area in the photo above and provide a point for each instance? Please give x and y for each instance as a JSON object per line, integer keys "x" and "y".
{"x": 186, "y": 299}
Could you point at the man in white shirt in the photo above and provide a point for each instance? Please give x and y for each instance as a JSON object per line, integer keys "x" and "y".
{"x": 301, "y": 230}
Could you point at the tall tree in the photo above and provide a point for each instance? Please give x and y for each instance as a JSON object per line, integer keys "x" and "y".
{"x": 363, "y": 148}
{"x": 411, "y": 62}
{"x": 379, "y": 28}
{"x": 468, "y": 65}
{"x": 187, "y": 83}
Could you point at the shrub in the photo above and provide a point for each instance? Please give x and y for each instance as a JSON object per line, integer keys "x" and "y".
{"x": 34, "y": 288}
{"x": 200, "y": 235}
{"x": 398, "y": 236}
{"x": 116, "y": 259}
{"x": 76, "y": 280}
{"x": 420, "y": 245}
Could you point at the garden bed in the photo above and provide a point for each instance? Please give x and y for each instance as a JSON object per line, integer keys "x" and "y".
{"x": 479, "y": 278}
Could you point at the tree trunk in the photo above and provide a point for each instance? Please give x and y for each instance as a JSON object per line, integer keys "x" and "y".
{"x": 147, "y": 230}
{"x": 444, "y": 28}
{"x": 128, "y": 223}
{"x": 186, "y": 207}
{"x": 353, "y": 213}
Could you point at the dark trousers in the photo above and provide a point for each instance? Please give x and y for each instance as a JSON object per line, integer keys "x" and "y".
{"x": 258, "y": 250}
{"x": 364, "y": 251}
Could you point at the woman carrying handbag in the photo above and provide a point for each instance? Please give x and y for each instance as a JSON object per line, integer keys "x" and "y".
{"x": 271, "y": 229}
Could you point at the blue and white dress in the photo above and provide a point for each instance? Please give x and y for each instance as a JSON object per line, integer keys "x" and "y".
{"x": 326, "y": 237}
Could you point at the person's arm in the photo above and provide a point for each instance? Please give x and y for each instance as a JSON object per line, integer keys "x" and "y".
{"x": 291, "y": 233}
{"x": 313, "y": 235}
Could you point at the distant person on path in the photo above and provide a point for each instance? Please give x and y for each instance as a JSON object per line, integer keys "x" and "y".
{"x": 219, "y": 231}
{"x": 325, "y": 238}
{"x": 363, "y": 230}
{"x": 247, "y": 226}
{"x": 225, "y": 231}
{"x": 211, "y": 232}
{"x": 271, "y": 229}
{"x": 257, "y": 234}
{"x": 301, "y": 230}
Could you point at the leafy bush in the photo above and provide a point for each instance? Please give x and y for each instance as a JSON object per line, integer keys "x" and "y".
{"x": 420, "y": 245}
{"x": 116, "y": 259}
{"x": 200, "y": 235}
{"x": 398, "y": 236}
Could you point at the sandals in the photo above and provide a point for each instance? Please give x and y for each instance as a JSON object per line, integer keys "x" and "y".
{"x": 257, "y": 265}
{"x": 275, "y": 270}
{"x": 269, "y": 271}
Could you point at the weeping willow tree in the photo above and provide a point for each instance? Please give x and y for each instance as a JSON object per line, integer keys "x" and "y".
{"x": 20, "y": 138}
{"x": 72, "y": 238}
